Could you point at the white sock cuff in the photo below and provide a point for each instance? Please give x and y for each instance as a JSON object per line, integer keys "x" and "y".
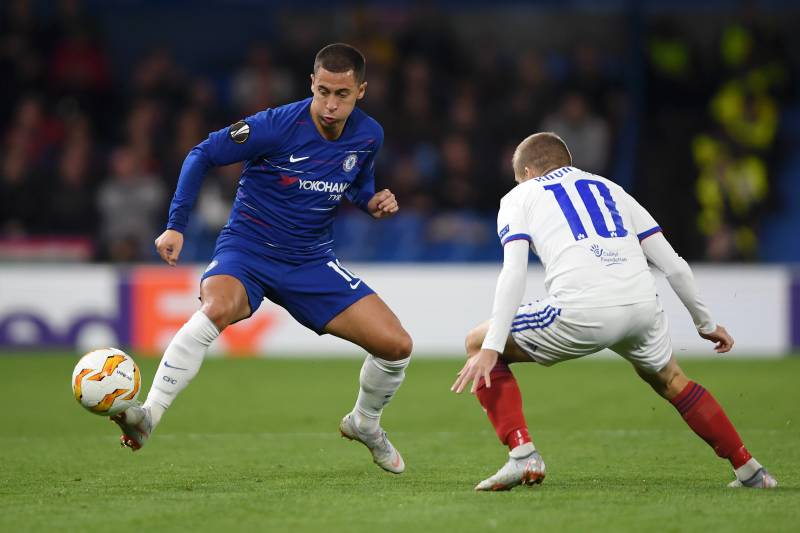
{"x": 747, "y": 470}
{"x": 390, "y": 366}
{"x": 523, "y": 450}
{"x": 361, "y": 414}
{"x": 205, "y": 329}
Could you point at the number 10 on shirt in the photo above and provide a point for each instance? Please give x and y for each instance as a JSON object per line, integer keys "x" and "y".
{"x": 592, "y": 207}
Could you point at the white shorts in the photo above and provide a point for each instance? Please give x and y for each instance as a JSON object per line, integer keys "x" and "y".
{"x": 637, "y": 332}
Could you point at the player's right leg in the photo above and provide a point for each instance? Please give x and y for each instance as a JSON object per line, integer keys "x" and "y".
{"x": 503, "y": 404}
{"x": 648, "y": 347}
{"x": 708, "y": 420}
{"x": 224, "y": 301}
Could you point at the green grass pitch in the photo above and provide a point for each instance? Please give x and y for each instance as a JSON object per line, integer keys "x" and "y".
{"x": 252, "y": 445}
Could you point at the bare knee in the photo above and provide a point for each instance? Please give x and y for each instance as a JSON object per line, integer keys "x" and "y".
{"x": 474, "y": 340}
{"x": 674, "y": 383}
{"x": 224, "y": 300}
{"x": 404, "y": 346}
{"x": 667, "y": 382}
{"x": 397, "y": 346}
{"x": 221, "y": 311}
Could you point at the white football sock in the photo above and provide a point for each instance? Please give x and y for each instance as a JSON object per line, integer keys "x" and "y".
{"x": 747, "y": 470}
{"x": 181, "y": 362}
{"x": 523, "y": 450}
{"x": 379, "y": 380}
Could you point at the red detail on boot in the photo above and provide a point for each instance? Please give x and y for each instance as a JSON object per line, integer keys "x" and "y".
{"x": 707, "y": 419}
{"x": 503, "y": 403}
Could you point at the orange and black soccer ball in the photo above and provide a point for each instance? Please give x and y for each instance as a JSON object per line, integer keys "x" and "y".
{"x": 106, "y": 381}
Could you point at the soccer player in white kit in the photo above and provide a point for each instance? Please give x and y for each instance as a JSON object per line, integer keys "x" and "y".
{"x": 594, "y": 241}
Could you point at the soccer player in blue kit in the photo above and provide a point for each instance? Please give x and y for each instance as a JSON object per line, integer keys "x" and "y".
{"x": 300, "y": 161}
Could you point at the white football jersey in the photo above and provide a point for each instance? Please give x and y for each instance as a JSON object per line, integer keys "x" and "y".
{"x": 586, "y": 231}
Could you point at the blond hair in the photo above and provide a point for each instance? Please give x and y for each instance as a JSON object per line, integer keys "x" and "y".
{"x": 541, "y": 152}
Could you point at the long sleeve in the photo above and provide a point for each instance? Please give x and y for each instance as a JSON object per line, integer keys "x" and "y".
{"x": 508, "y": 294}
{"x": 190, "y": 180}
{"x": 659, "y": 252}
{"x": 241, "y": 141}
{"x": 363, "y": 188}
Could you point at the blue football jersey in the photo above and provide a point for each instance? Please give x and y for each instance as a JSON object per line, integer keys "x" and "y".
{"x": 293, "y": 179}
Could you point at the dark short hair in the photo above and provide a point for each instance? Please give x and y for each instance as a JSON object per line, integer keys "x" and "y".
{"x": 341, "y": 57}
{"x": 541, "y": 152}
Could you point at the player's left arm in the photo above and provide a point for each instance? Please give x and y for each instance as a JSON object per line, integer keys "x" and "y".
{"x": 507, "y": 297}
{"x": 362, "y": 193}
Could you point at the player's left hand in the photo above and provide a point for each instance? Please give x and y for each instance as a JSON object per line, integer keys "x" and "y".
{"x": 478, "y": 366}
{"x": 383, "y": 204}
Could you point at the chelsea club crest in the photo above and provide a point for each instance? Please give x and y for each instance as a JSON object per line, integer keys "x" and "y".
{"x": 349, "y": 162}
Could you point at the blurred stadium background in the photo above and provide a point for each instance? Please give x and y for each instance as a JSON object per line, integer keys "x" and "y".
{"x": 692, "y": 106}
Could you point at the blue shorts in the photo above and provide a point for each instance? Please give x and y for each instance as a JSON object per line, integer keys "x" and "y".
{"x": 313, "y": 292}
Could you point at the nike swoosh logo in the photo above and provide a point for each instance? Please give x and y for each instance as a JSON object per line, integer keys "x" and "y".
{"x": 355, "y": 285}
{"x": 293, "y": 159}
{"x": 166, "y": 364}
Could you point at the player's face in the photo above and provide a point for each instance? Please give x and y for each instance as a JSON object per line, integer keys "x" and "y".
{"x": 334, "y": 96}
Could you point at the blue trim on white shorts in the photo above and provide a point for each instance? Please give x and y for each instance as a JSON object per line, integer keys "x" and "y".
{"x": 538, "y": 320}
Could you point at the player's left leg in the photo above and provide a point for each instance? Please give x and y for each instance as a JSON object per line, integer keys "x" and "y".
{"x": 326, "y": 297}
{"x": 541, "y": 333}
{"x": 503, "y": 405}
{"x": 708, "y": 420}
{"x": 370, "y": 324}
{"x": 503, "y": 401}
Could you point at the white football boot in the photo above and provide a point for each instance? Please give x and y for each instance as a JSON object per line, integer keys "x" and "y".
{"x": 760, "y": 480}
{"x": 384, "y": 454}
{"x": 528, "y": 470}
{"x": 136, "y": 425}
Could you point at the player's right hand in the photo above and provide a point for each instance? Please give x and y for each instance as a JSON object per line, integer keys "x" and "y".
{"x": 721, "y": 337}
{"x": 169, "y": 245}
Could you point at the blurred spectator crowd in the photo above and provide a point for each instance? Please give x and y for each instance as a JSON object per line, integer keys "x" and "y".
{"x": 90, "y": 154}
{"x": 714, "y": 133}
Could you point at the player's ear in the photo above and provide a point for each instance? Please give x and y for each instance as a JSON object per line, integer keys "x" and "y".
{"x": 312, "y": 83}
{"x": 528, "y": 173}
{"x": 362, "y": 89}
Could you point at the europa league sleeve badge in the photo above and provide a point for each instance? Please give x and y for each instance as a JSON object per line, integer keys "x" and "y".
{"x": 239, "y": 132}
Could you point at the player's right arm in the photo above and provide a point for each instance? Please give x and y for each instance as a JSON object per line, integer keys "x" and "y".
{"x": 679, "y": 275}
{"x": 241, "y": 141}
